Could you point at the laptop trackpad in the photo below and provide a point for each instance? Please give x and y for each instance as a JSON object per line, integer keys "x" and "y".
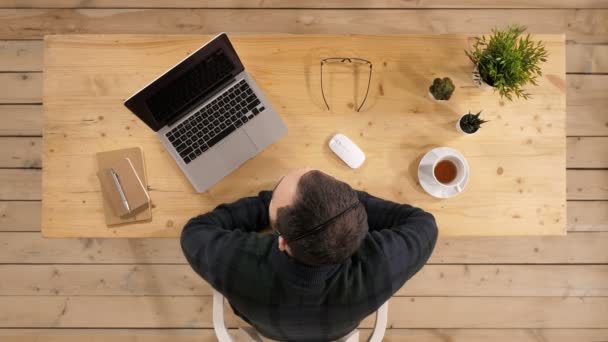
{"x": 236, "y": 149}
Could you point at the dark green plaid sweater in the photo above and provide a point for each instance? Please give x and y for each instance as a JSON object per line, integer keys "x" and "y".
{"x": 289, "y": 301}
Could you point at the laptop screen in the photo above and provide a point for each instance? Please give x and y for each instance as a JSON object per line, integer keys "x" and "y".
{"x": 176, "y": 95}
{"x": 187, "y": 84}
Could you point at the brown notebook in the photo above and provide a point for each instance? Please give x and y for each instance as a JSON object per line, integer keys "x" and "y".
{"x": 128, "y": 166}
{"x": 123, "y": 187}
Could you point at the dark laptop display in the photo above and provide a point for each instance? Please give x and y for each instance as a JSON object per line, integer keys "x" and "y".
{"x": 189, "y": 88}
{"x": 192, "y": 81}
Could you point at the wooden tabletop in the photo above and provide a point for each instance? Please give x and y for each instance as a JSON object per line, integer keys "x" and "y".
{"x": 517, "y": 180}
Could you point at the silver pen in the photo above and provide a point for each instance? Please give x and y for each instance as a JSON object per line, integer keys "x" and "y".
{"x": 119, "y": 187}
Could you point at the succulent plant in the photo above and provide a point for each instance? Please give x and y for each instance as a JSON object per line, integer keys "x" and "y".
{"x": 442, "y": 89}
{"x": 470, "y": 122}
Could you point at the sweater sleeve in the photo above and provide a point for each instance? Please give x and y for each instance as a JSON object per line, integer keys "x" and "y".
{"x": 208, "y": 240}
{"x": 405, "y": 234}
{"x": 248, "y": 214}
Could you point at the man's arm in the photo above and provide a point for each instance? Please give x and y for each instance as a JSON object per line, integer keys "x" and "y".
{"x": 208, "y": 240}
{"x": 249, "y": 214}
{"x": 407, "y": 235}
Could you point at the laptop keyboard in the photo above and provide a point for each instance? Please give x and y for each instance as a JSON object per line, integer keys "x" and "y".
{"x": 212, "y": 123}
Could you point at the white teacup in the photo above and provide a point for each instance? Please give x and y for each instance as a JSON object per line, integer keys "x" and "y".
{"x": 432, "y": 185}
{"x": 461, "y": 171}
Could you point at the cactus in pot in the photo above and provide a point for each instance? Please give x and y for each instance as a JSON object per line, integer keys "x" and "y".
{"x": 442, "y": 89}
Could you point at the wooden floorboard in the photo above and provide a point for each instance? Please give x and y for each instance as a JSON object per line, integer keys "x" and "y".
{"x": 587, "y": 100}
{"x": 587, "y": 58}
{"x": 587, "y": 184}
{"x": 587, "y": 152}
{"x": 20, "y": 184}
{"x": 20, "y": 216}
{"x": 242, "y": 4}
{"x": 21, "y": 55}
{"x": 392, "y": 335}
{"x": 20, "y": 152}
{"x": 120, "y": 335}
{"x": 432, "y": 280}
{"x": 21, "y": 120}
{"x": 587, "y": 216}
{"x": 571, "y": 249}
{"x": 21, "y": 87}
{"x": 575, "y": 248}
{"x": 195, "y": 312}
{"x": 581, "y": 26}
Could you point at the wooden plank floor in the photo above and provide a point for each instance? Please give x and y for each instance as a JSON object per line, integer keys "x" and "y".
{"x": 550, "y": 289}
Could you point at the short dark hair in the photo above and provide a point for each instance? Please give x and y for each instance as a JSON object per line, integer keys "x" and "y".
{"x": 320, "y": 197}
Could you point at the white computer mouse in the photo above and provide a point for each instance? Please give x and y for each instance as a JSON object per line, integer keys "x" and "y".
{"x": 347, "y": 150}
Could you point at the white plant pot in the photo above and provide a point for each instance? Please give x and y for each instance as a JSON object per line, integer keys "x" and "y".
{"x": 479, "y": 81}
{"x": 459, "y": 129}
{"x": 434, "y": 99}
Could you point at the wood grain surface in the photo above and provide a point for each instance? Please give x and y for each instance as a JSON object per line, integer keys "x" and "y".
{"x": 20, "y": 216}
{"x": 20, "y": 55}
{"x": 432, "y": 280}
{"x": 583, "y": 216}
{"x": 20, "y": 152}
{"x": 20, "y": 184}
{"x": 587, "y": 215}
{"x": 515, "y": 188}
{"x": 575, "y": 248}
{"x": 21, "y": 120}
{"x": 331, "y": 4}
{"x": 582, "y": 26}
{"x": 392, "y": 335}
{"x": 545, "y": 267}
{"x": 28, "y": 91}
{"x": 195, "y": 312}
{"x": 588, "y": 184}
{"x": 26, "y": 55}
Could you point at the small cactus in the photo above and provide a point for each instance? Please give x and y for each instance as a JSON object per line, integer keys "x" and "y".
{"x": 470, "y": 122}
{"x": 442, "y": 89}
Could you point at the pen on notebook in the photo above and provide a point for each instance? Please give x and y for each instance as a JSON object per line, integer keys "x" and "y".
{"x": 119, "y": 187}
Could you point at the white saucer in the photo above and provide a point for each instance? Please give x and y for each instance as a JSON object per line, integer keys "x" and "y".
{"x": 425, "y": 173}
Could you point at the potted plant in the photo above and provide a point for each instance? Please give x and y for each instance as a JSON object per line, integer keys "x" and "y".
{"x": 441, "y": 89}
{"x": 469, "y": 123}
{"x": 507, "y": 61}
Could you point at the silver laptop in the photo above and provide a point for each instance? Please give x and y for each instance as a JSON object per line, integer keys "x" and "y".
{"x": 209, "y": 113}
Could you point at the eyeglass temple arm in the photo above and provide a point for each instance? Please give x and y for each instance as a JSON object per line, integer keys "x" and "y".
{"x": 369, "y": 81}
{"x": 323, "y": 91}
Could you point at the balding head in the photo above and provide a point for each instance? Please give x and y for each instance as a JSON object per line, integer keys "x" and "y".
{"x": 319, "y": 217}
{"x": 285, "y": 191}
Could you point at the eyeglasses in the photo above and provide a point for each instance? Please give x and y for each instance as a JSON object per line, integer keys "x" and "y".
{"x": 347, "y": 60}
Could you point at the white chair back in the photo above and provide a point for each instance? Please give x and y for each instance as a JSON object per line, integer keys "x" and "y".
{"x": 251, "y": 335}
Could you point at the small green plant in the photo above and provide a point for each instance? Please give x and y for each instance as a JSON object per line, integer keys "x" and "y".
{"x": 508, "y": 61}
{"x": 442, "y": 89}
{"x": 471, "y": 123}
